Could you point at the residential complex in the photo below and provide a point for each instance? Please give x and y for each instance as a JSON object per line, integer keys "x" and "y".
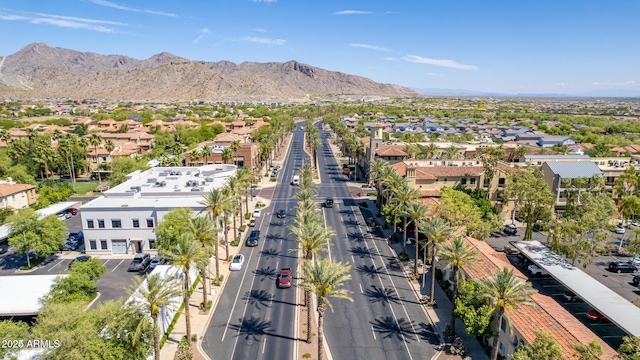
{"x": 16, "y": 196}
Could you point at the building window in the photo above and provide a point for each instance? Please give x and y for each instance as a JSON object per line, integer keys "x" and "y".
{"x": 149, "y": 223}
{"x": 100, "y": 224}
{"x": 463, "y": 181}
{"x": 473, "y": 181}
{"x": 503, "y": 325}
{"x": 116, "y": 224}
{"x": 445, "y": 179}
{"x": 92, "y": 245}
{"x": 501, "y": 349}
{"x": 152, "y": 244}
{"x": 90, "y": 224}
{"x": 103, "y": 244}
{"x": 501, "y": 182}
{"x": 136, "y": 223}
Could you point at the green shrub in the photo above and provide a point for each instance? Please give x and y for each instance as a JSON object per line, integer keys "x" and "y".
{"x": 365, "y": 186}
{"x": 403, "y": 257}
{"x": 274, "y": 179}
{"x": 242, "y": 228}
{"x": 235, "y": 242}
{"x": 247, "y": 216}
{"x": 184, "y": 351}
{"x": 194, "y": 337}
{"x": 173, "y": 323}
{"x": 372, "y": 194}
{"x": 206, "y": 308}
{"x": 306, "y": 356}
{"x": 266, "y": 174}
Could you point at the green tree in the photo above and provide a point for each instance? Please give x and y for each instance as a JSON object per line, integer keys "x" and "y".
{"x": 544, "y": 347}
{"x": 80, "y": 285}
{"x": 12, "y": 330}
{"x": 175, "y": 222}
{"x": 324, "y": 278}
{"x": 592, "y": 351}
{"x": 29, "y": 233}
{"x": 456, "y": 254}
{"x": 206, "y": 235}
{"x": 20, "y": 175}
{"x": 630, "y": 348}
{"x": 95, "y": 140}
{"x": 472, "y": 308}
{"x": 504, "y": 290}
{"x": 437, "y": 231}
{"x": 216, "y": 205}
{"x": 532, "y": 196}
{"x": 153, "y": 293}
{"x": 415, "y": 213}
{"x": 490, "y": 156}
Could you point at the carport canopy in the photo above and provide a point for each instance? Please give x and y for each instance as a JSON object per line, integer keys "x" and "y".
{"x": 606, "y": 301}
{"x": 23, "y": 292}
{"x": 5, "y": 231}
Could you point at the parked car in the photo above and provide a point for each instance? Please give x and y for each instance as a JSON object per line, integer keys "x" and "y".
{"x": 636, "y": 280}
{"x": 284, "y": 278}
{"x": 510, "y": 229}
{"x": 620, "y": 230}
{"x": 140, "y": 262}
{"x": 619, "y": 266}
{"x": 236, "y": 263}
{"x": 64, "y": 215}
{"x": 81, "y": 258}
{"x": 569, "y": 296}
{"x": 281, "y": 214}
{"x": 254, "y": 236}
{"x": 635, "y": 261}
{"x": 593, "y": 315}
{"x": 256, "y": 213}
{"x": 634, "y": 223}
{"x": 536, "y": 271}
{"x": 71, "y": 245}
{"x": 76, "y": 236}
{"x": 73, "y": 211}
{"x": 252, "y": 222}
{"x": 4, "y": 249}
{"x": 155, "y": 262}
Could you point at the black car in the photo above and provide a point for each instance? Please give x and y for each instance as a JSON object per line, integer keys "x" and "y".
{"x": 619, "y": 266}
{"x": 510, "y": 229}
{"x": 636, "y": 280}
{"x": 254, "y": 236}
{"x": 281, "y": 214}
{"x": 139, "y": 262}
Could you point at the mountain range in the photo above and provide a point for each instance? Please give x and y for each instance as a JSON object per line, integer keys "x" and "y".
{"x": 41, "y": 71}
{"x": 605, "y": 93}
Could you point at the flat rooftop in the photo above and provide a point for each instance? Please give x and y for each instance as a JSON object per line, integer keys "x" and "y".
{"x": 23, "y": 293}
{"x": 164, "y": 186}
{"x": 606, "y": 301}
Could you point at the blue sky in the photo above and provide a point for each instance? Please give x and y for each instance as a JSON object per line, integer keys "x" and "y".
{"x": 543, "y": 46}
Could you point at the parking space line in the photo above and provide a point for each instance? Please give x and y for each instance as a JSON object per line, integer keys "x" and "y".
{"x": 105, "y": 263}
{"x": 55, "y": 265}
{"x": 114, "y": 269}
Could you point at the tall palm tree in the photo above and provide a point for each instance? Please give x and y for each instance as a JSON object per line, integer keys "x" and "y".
{"x": 405, "y": 196}
{"x": 227, "y": 154}
{"x": 215, "y": 204}
{"x": 186, "y": 254}
{"x": 437, "y": 231}
{"x": 235, "y": 146}
{"x": 378, "y": 168}
{"x": 206, "y": 153}
{"x": 504, "y": 290}
{"x": 392, "y": 185}
{"x": 204, "y": 233}
{"x": 450, "y": 153}
{"x": 457, "y": 254}
{"x": 323, "y": 278}
{"x": 152, "y": 294}
{"x": 195, "y": 156}
{"x": 245, "y": 176}
{"x": 415, "y": 213}
{"x": 429, "y": 151}
{"x": 95, "y": 140}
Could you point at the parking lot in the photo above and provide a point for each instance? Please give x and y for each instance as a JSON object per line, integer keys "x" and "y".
{"x": 546, "y": 285}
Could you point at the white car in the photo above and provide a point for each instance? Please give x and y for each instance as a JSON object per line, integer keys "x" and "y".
{"x": 236, "y": 263}
{"x": 256, "y": 213}
{"x": 635, "y": 223}
{"x": 535, "y": 270}
{"x": 635, "y": 261}
{"x": 620, "y": 230}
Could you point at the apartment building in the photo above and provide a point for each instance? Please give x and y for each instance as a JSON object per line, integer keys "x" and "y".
{"x": 16, "y": 196}
{"x": 123, "y": 219}
{"x": 556, "y": 174}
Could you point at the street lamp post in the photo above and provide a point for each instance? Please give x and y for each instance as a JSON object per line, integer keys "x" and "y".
{"x": 24, "y": 237}
{"x": 424, "y": 260}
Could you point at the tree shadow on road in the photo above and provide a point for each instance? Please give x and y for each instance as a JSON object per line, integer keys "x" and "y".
{"x": 390, "y": 329}
{"x": 266, "y": 273}
{"x": 258, "y": 298}
{"x": 383, "y": 296}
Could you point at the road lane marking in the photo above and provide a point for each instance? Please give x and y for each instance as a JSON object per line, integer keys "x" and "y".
{"x": 374, "y": 335}
{"x": 114, "y": 269}
{"x": 341, "y": 219}
{"x": 277, "y": 264}
{"x": 324, "y": 217}
{"x": 55, "y": 265}
{"x": 362, "y": 292}
{"x": 105, "y": 263}
{"x": 352, "y": 259}
{"x": 264, "y": 344}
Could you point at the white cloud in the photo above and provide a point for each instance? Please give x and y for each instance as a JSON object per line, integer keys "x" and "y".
{"x": 86, "y": 20}
{"x": 561, "y": 84}
{"x": 265, "y": 1}
{"x": 267, "y": 41}
{"x": 390, "y": 59}
{"x": 114, "y": 5}
{"x": 434, "y": 74}
{"x": 259, "y": 30}
{"x": 12, "y": 17}
{"x": 351, "y": 12}
{"x": 618, "y": 83}
{"x": 438, "y": 62}
{"x": 71, "y": 24}
{"x": 371, "y": 47}
{"x": 154, "y": 12}
{"x": 203, "y": 32}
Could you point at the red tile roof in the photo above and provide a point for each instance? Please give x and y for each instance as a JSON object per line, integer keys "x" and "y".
{"x": 10, "y": 189}
{"x": 391, "y": 150}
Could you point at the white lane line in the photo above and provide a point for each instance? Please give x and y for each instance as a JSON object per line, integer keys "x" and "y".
{"x": 105, "y": 263}
{"x": 277, "y": 264}
{"x": 325, "y": 226}
{"x": 362, "y": 292}
{"x": 235, "y": 301}
{"x": 264, "y": 344}
{"x": 374, "y": 335}
{"x": 246, "y": 304}
{"x": 341, "y": 219}
{"x": 352, "y": 259}
{"x": 55, "y": 265}
{"x": 114, "y": 269}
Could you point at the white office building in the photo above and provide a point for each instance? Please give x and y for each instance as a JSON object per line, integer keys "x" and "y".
{"x": 123, "y": 220}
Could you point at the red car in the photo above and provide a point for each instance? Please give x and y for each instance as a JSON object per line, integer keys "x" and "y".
{"x": 284, "y": 278}
{"x": 73, "y": 211}
{"x": 593, "y": 315}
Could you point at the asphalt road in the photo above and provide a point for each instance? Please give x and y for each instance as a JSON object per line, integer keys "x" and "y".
{"x": 384, "y": 321}
{"x": 254, "y": 319}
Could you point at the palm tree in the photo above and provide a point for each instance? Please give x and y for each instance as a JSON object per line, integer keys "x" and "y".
{"x": 245, "y": 176}
{"x": 415, "y": 213}
{"x": 392, "y": 185}
{"x": 204, "y": 233}
{"x": 152, "y": 294}
{"x": 232, "y": 190}
{"x": 235, "y": 146}
{"x": 437, "y": 231}
{"x": 215, "y": 203}
{"x": 95, "y": 140}
{"x": 195, "y": 156}
{"x": 186, "y": 254}
{"x": 504, "y": 290}
{"x": 206, "y": 153}
{"x": 429, "y": 151}
{"x": 457, "y": 254}
{"x": 323, "y": 278}
{"x": 450, "y": 153}
{"x": 377, "y": 168}
{"x": 226, "y": 155}
{"x": 405, "y": 196}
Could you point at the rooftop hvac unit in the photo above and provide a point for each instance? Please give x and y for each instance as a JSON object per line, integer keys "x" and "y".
{"x": 209, "y": 179}
{"x": 196, "y": 188}
{"x": 161, "y": 183}
{"x": 188, "y": 172}
{"x": 151, "y": 180}
{"x": 136, "y": 188}
{"x": 177, "y": 190}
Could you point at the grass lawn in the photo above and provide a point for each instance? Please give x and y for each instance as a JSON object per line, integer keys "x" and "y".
{"x": 84, "y": 187}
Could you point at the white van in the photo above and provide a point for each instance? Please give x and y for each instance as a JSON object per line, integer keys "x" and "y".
{"x": 296, "y": 180}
